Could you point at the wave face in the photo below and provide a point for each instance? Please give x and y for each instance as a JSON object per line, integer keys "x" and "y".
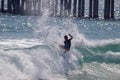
{"x": 29, "y": 49}
{"x": 107, "y": 52}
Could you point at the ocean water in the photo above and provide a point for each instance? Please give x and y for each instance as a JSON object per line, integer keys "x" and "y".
{"x": 29, "y": 48}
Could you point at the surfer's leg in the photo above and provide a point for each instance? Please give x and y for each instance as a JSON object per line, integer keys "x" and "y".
{"x": 66, "y": 63}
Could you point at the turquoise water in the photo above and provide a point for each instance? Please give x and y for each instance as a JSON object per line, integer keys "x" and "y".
{"x": 29, "y": 48}
{"x": 92, "y": 29}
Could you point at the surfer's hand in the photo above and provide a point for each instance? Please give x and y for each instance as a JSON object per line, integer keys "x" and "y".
{"x": 70, "y": 36}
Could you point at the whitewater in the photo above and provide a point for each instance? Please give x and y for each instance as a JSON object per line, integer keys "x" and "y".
{"x": 29, "y": 48}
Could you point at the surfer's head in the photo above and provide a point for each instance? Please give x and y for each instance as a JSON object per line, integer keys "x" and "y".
{"x": 65, "y": 37}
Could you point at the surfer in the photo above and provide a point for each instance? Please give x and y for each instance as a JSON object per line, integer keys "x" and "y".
{"x": 67, "y": 42}
{"x": 66, "y": 47}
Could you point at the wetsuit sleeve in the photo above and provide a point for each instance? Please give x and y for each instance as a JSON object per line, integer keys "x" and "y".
{"x": 71, "y": 37}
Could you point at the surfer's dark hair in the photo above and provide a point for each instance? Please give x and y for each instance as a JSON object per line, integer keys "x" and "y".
{"x": 65, "y": 37}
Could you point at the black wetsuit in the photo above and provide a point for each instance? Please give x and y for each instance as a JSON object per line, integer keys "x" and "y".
{"x": 67, "y": 44}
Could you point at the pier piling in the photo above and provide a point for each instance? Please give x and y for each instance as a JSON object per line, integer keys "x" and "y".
{"x": 76, "y": 8}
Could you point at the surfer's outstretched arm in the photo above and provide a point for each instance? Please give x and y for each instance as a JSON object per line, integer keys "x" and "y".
{"x": 71, "y": 37}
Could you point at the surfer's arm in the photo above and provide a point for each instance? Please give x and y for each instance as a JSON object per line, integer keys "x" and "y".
{"x": 71, "y": 37}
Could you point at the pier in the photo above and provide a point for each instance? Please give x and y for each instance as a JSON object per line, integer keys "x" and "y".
{"x": 76, "y": 8}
